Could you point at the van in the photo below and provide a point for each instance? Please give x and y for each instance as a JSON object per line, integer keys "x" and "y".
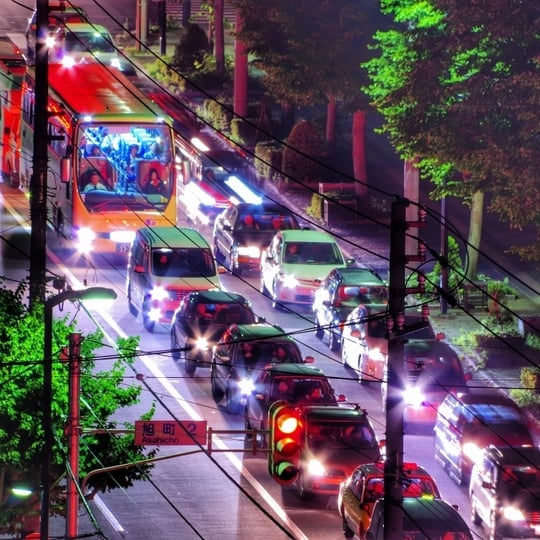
{"x": 165, "y": 264}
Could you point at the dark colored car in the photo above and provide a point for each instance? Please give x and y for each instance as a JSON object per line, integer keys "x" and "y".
{"x": 358, "y": 494}
{"x": 432, "y": 369}
{"x": 242, "y": 351}
{"x": 243, "y": 230}
{"x": 505, "y": 492}
{"x": 200, "y": 321}
{"x": 293, "y": 383}
{"x": 341, "y": 291}
{"x": 468, "y": 423}
{"x": 422, "y": 519}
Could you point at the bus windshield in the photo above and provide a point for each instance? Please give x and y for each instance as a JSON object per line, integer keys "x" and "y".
{"x": 124, "y": 167}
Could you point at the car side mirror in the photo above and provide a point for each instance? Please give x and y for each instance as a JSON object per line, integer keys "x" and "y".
{"x": 350, "y": 262}
{"x": 341, "y": 398}
{"x": 440, "y": 336}
{"x": 227, "y": 228}
{"x": 309, "y": 359}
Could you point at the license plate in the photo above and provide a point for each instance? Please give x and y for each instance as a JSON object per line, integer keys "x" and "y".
{"x": 122, "y": 248}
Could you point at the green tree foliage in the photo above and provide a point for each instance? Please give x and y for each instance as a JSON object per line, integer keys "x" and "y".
{"x": 103, "y": 393}
{"x": 192, "y": 48}
{"x": 458, "y": 84}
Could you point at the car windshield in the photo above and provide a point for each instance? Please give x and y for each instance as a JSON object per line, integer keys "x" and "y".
{"x": 312, "y": 253}
{"x": 436, "y": 368}
{"x": 348, "y": 295}
{"x": 182, "y": 262}
{"x": 89, "y": 42}
{"x": 297, "y": 389}
{"x": 268, "y": 351}
{"x": 352, "y": 435}
{"x": 262, "y": 221}
{"x": 225, "y": 314}
{"x": 492, "y": 414}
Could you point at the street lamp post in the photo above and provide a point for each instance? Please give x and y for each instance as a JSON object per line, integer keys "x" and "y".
{"x": 92, "y": 293}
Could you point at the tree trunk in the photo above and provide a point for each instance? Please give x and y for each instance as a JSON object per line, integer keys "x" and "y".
{"x": 219, "y": 38}
{"x": 475, "y": 234}
{"x": 331, "y": 108}
{"x": 240, "y": 73}
{"x": 359, "y": 157}
{"x": 186, "y": 12}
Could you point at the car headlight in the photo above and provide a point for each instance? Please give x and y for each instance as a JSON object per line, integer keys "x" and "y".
{"x": 115, "y": 63}
{"x": 472, "y": 451}
{"x": 511, "y": 513}
{"x": 413, "y": 396}
{"x": 316, "y": 468}
{"x": 289, "y": 281}
{"x": 154, "y": 314}
{"x": 159, "y": 294}
{"x": 246, "y": 386}
{"x": 253, "y": 252}
{"x": 202, "y": 344}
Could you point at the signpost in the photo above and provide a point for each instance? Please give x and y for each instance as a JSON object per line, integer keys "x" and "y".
{"x": 170, "y": 432}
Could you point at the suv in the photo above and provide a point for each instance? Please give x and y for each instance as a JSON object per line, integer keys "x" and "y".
{"x": 336, "y": 439}
{"x": 200, "y": 321}
{"x": 293, "y": 383}
{"x": 432, "y": 369}
{"x": 505, "y": 492}
{"x": 59, "y": 14}
{"x": 358, "y": 493}
{"x": 467, "y": 423}
{"x": 295, "y": 264}
{"x": 243, "y": 230}
{"x": 422, "y": 518}
{"x": 165, "y": 264}
{"x": 242, "y": 351}
{"x": 341, "y": 291}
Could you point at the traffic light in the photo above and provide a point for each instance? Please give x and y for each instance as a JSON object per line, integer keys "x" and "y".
{"x": 286, "y": 429}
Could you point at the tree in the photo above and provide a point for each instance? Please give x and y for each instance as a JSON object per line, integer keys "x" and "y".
{"x": 103, "y": 392}
{"x": 459, "y": 88}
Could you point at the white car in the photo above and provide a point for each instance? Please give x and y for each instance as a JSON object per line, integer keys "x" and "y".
{"x": 295, "y": 264}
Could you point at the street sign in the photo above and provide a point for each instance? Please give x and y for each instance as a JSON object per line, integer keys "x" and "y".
{"x": 170, "y": 432}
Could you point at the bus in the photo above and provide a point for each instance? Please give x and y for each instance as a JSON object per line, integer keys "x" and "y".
{"x": 100, "y": 125}
{"x": 13, "y": 67}
{"x": 212, "y": 173}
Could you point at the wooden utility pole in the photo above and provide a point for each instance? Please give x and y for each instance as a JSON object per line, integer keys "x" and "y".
{"x": 38, "y": 181}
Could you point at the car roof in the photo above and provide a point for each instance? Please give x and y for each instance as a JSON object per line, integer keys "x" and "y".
{"x": 485, "y": 395}
{"x": 77, "y": 27}
{"x": 334, "y": 412}
{"x": 431, "y": 514}
{"x": 260, "y": 331}
{"x": 409, "y": 469}
{"x": 515, "y": 455}
{"x": 294, "y": 370}
{"x": 358, "y": 275}
{"x": 306, "y": 235}
{"x": 173, "y": 237}
{"x": 218, "y": 297}
{"x": 264, "y": 206}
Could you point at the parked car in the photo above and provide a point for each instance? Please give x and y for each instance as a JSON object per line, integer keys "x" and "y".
{"x": 341, "y": 291}
{"x": 505, "y": 492}
{"x": 467, "y": 423}
{"x": 295, "y": 264}
{"x": 200, "y": 321}
{"x": 293, "y": 383}
{"x": 335, "y": 440}
{"x": 80, "y": 42}
{"x": 431, "y": 369}
{"x": 60, "y": 13}
{"x": 358, "y": 494}
{"x": 243, "y": 230}
{"x": 422, "y": 518}
{"x": 165, "y": 264}
{"x": 242, "y": 351}
{"x": 364, "y": 346}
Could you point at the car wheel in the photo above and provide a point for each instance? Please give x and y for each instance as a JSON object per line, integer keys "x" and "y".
{"x": 263, "y": 437}
{"x": 300, "y": 487}
{"x": 132, "y": 309}
{"x": 275, "y": 302}
{"x": 234, "y": 268}
{"x": 190, "y": 365}
{"x": 147, "y": 323}
{"x": 475, "y": 518}
{"x": 362, "y": 371}
{"x": 233, "y": 407}
{"x": 347, "y": 531}
{"x": 319, "y": 332}
{"x": 333, "y": 341}
{"x": 344, "y": 357}
{"x": 217, "y": 392}
{"x": 175, "y": 353}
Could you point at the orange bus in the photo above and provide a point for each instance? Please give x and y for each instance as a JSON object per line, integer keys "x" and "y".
{"x": 12, "y": 71}
{"x": 110, "y": 148}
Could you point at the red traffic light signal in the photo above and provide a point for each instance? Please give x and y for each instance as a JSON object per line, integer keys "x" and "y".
{"x": 286, "y": 429}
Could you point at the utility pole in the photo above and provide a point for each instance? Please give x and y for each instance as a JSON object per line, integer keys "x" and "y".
{"x": 397, "y": 331}
{"x": 73, "y": 434}
{"x": 38, "y": 181}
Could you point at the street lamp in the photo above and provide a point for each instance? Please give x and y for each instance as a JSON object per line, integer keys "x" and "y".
{"x": 92, "y": 293}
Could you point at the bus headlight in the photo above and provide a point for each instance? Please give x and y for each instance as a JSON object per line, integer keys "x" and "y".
{"x": 85, "y": 237}
{"x": 122, "y": 237}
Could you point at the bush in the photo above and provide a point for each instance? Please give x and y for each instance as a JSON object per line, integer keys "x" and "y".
{"x": 192, "y": 46}
{"x": 268, "y": 159}
{"x": 304, "y": 145}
